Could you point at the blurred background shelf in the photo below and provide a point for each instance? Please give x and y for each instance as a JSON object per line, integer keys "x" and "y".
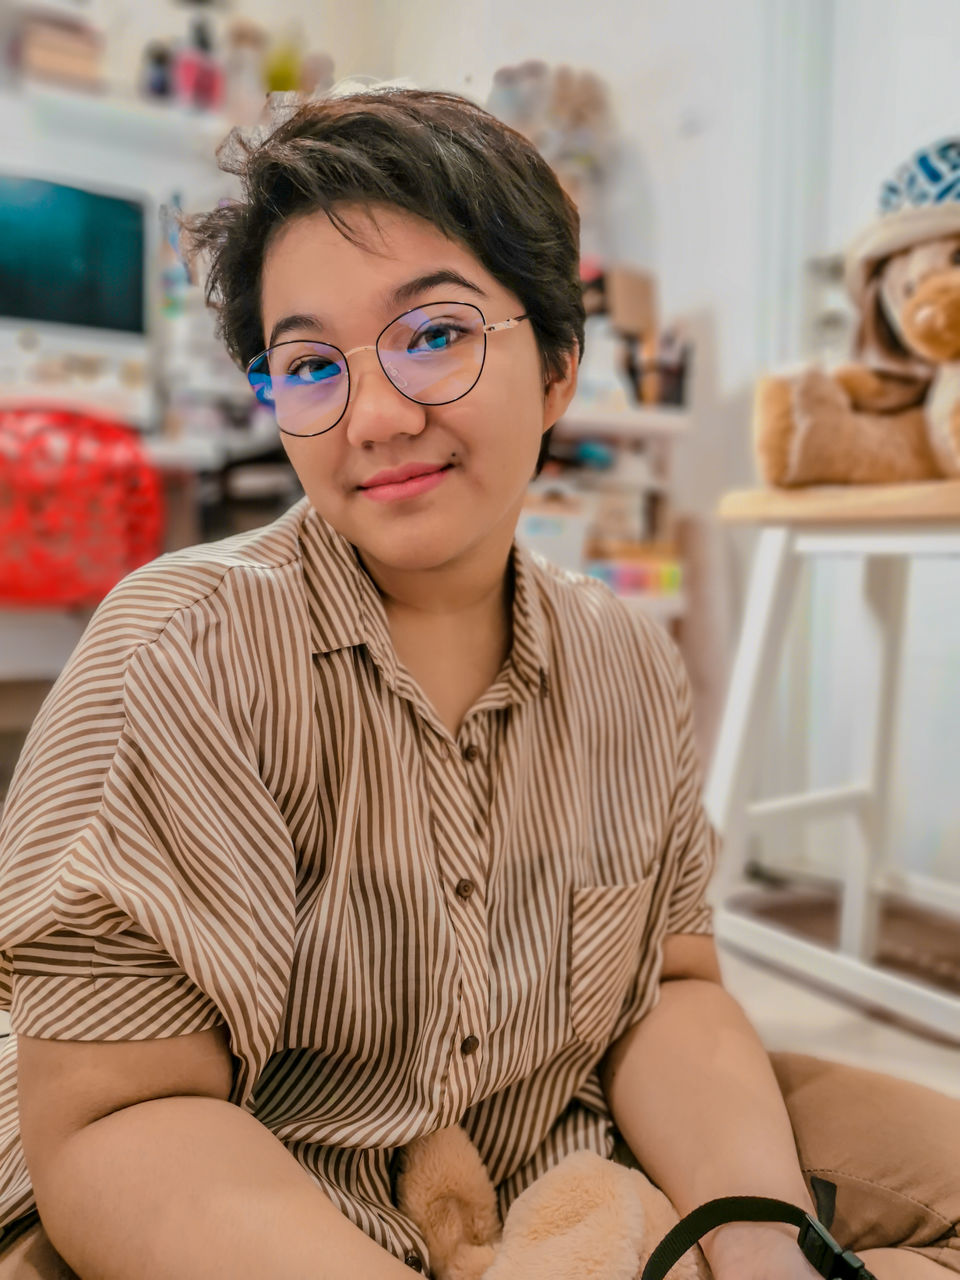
{"x": 627, "y": 424}
{"x": 112, "y": 119}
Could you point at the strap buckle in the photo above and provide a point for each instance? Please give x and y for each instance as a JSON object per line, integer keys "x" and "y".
{"x": 826, "y": 1256}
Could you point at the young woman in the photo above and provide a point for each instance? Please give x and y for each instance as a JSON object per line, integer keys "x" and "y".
{"x": 369, "y": 822}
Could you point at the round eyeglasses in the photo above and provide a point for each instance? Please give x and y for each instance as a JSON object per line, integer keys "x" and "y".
{"x": 433, "y": 354}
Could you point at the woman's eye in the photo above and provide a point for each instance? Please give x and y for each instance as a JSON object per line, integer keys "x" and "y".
{"x": 955, "y": 256}
{"x": 437, "y": 337}
{"x": 316, "y": 369}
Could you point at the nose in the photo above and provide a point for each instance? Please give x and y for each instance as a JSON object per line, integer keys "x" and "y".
{"x": 376, "y": 411}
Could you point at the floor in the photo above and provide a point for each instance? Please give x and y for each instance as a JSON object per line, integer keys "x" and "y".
{"x": 792, "y": 1015}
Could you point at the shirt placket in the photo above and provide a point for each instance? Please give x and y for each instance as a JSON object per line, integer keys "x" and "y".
{"x": 458, "y": 782}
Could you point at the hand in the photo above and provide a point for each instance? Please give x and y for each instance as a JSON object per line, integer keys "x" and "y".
{"x": 758, "y": 1251}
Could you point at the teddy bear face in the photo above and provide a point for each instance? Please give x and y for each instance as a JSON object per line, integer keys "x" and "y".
{"x": 920, "y": 296}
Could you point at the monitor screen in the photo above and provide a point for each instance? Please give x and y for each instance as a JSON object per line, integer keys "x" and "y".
{"x": 70, "y": 256}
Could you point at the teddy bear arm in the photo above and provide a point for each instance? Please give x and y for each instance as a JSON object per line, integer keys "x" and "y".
{"x": 879, "y": 392}
{"x": 807, "y": 433}
{"x": 867, "y": 448}
{"x": 774, "y": 427}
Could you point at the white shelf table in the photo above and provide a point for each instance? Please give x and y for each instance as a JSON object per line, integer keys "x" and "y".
{"x": 886, "y": 526}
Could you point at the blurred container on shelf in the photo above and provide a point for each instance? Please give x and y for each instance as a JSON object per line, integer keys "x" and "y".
{"x": 284, "y": 60}
{"x": 659, "y": 368}
{"x": 635, "y": 568}
{"x": 197, "y": 72}
{"x": 621, "y": 509}
{"x": 56, "y": 42}
{"x": 174, "y": 273}
{"x": 555, "y": 521}
{"x": 566, "y": 114}
{"x": 631, "y": 298}
{"x": 601, "y": 382}
{"x": 317, "y": 73}
{"x": 247, "y": 44}
{"x": 156, "y": 71}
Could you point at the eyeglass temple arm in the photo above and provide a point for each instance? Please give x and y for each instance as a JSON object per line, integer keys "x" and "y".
{"x": 505, "y": 324}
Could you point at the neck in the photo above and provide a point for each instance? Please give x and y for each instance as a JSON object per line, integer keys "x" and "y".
{"x": 470, "y": 591}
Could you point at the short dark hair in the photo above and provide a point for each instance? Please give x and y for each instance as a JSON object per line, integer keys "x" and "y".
{"x": 434, "y": 154}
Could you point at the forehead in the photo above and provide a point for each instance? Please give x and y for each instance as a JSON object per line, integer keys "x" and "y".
{"x": 310, "y": 260}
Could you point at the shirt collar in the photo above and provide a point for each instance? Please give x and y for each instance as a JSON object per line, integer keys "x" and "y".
{"x": 345, "y": 608}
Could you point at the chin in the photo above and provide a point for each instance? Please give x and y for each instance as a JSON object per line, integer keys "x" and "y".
{"x": 412, "y": 553}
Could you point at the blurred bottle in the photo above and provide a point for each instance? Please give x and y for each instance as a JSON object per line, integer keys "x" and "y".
{"x": 174, "y": 276}
{"x": 156, "y": 77}
{"x": 245, "y": 72}
{"x": 316, "y": 74}
{"x": 197, "y": 74}
{"x": 284, "y": 61}
{"x": 662, "y": 368}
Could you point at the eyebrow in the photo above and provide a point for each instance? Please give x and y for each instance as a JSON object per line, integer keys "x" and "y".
{"x": 404, "y": 293}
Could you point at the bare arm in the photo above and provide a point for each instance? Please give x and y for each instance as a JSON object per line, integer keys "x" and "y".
{"x": 692, "y": 1090}
{"x": 140, "y": 1166}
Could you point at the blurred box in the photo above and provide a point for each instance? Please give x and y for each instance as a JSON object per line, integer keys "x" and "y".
{"x": 555, "y": 521}
{"x": 631, "y": 300}
{"x": 58, "y": 49}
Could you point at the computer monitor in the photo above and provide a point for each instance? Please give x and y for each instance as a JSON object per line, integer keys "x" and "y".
{"x": 71, "y": 256}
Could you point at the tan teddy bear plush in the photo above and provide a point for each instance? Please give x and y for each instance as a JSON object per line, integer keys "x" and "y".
{"x": 586, "y": 1219}
{"x": 894, "y": 415}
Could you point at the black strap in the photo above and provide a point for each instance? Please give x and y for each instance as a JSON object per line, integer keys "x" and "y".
{"x": 818, "y": 1245}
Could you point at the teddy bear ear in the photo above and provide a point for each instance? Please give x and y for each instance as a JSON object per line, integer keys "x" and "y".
{"x": 876, "y": 342}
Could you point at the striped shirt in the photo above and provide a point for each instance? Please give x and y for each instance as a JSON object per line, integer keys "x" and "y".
{"x": 236, "y": 806}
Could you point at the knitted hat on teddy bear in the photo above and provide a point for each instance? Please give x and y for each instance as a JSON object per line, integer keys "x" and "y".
{"x": 921, "y": 201}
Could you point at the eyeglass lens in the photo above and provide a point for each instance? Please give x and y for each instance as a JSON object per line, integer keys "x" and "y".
{"x": 432, "y": 355}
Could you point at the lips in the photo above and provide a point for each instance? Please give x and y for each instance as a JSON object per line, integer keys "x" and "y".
{"x": 403, "y": 473}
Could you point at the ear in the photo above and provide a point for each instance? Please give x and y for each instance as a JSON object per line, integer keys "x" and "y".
{"x": 559, "y": 389}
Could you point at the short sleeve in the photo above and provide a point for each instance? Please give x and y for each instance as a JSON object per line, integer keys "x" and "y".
{"x": 691, "y": 846}
{"x": 688, "y": 849}
{"x": 88, "y": 881}
{"x": 141, "y": 857}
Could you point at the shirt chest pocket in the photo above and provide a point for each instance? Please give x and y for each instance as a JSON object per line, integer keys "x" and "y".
{"x": 606, "y": 927}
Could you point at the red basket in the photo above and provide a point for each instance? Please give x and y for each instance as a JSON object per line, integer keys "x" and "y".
{"x": 80, "y": 505}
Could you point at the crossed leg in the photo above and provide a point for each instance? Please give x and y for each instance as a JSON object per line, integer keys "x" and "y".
{"x": 891, "y": 1148}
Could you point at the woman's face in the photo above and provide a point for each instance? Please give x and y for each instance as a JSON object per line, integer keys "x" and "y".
{"x": 488, "y": 440}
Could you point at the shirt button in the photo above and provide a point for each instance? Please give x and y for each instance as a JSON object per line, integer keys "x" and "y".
{"x": 414, "y": 1261}
{"x": 470, "y": 753}
{"x": 470, "y": 1045}
{"x": 465, "y": 888}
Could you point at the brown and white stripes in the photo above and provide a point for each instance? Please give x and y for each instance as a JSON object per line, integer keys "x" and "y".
{"x": 236, "y": 805}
